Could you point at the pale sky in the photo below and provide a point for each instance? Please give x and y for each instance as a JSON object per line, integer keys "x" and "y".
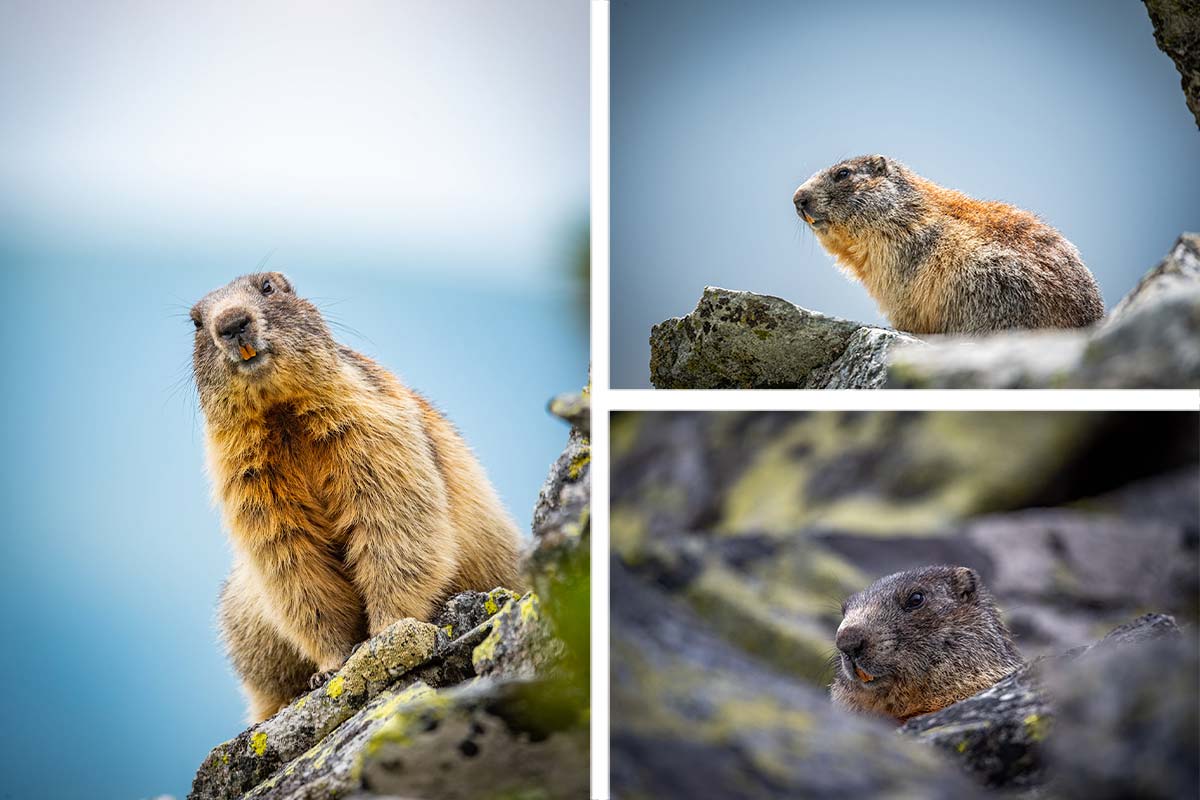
{"x": 361, "y": 129}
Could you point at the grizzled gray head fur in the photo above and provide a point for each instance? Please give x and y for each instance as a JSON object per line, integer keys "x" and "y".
{"x": 917, "y": 641}
{"x": 255, "y": 332}
{"x": 858, "y": 192}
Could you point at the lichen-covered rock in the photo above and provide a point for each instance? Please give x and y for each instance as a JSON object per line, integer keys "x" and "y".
{"x": 479, "y": 741}
{"x": 692, "y": 716}
{"x": 1177, "y": 32}
{"x": 778, "y": 472}
{"x": 238, "y": 765}
{"x": 1000, "y": 735}
{"x": 559, "y": 565}
{"x": 561, "y": 514}
{"x": 519, "y": 644}
{"x": 488, "y": 701}
{"x": 741, "y": 340}
{"x": 468, "y": 610}
{"x": 407, "y": 652}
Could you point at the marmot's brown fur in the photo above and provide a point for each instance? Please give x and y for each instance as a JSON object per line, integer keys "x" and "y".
{"x": 937, "y": 261}
{"x": 917, "y": 641}
{"x": 350, "y": 501}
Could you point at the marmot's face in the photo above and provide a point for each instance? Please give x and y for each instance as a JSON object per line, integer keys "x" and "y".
{"x": 905, "y": 626}
{"x": 854, "y": 192}
{"x": 252, "y": 329}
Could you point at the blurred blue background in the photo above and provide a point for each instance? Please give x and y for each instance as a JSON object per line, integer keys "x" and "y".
{"x": 419, "y": 168}
{"x": 721, "y": 109}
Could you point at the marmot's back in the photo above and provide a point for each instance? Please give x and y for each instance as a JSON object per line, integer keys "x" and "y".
{"x": 937, "y": 261}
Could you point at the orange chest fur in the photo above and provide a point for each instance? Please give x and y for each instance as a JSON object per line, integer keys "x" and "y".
{"x": 283, "y": 479}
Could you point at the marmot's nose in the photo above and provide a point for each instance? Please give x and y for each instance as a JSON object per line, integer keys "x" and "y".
{"x": 801, "y": 198}
{"x": 232, "y": 323}
{"x": 851, "y": 641}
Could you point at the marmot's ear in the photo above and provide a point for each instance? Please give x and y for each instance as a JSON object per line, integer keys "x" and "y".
{"x": 965, "y": 582}
{"x": 879, "y": 165}
{"x": 282, "y": 282}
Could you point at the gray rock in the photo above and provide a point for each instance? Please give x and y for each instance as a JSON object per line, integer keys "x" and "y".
{"x": 1154, "y": 346}
{"x": 1008, "y": 360}
{"x": 513, "y": 739}
{"x": 1139, "y": 740}
{"x": 741, "y": 340}
{"x": 692, "y": 716}
{"x": 1098, "y": 561}
{"x": 559, "y": 565}
{"x": 1179, "y": 271}
{"x": 1177, "y": 32}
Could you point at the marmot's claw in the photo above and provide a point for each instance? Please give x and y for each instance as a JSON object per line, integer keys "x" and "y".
{"x": 319, "y": 679}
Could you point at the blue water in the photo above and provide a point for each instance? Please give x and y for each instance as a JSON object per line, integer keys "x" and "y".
{"x": 113, "y": 552}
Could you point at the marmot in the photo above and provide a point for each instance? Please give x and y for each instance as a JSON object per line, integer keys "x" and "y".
{"x": 917, "y": 641}
{"x": 937, "y": 261}
{"x": 350, "y": 501}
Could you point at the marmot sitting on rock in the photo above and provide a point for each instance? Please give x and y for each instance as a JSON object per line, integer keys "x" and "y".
{"x": 937, "y": 261}
{"x": 917, "y": 641}
{"x": 351, "y": 502}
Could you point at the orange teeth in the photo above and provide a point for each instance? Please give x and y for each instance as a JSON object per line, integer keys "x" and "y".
{"x": 807, "y": 218}
{"x": 247, "y": 352}
{"x": 863, "y": 676}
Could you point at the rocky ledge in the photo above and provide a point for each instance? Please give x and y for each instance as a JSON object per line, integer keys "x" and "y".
{"x": 741, "y": 340}
{"x": 1002, "y": 737}
{"x": 487, "y": 701}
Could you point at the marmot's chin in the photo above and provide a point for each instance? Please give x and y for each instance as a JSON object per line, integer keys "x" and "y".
{"x": 255, "y": 365}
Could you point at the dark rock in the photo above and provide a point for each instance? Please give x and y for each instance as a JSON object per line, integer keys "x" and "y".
{"x": 692, "y": 716}
{"x": 1126, "y": 718}
{"x": 1177, "y": 32}
{"x": 1050, "y": 719}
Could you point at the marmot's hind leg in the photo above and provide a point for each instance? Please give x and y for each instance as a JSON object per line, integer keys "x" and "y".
{"x": 272, "y": 670}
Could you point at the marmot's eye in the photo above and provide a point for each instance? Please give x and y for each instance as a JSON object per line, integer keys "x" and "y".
{"x": 914, "y": 601}
{"x": 196, "y": 322}
{"x": 268, "y": 287}
{"x": 841, "y": 174}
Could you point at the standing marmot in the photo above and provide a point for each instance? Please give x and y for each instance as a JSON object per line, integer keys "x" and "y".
{"x": 350, "y": 501}
{"x": 937, "y": 261}
{"x": 917, "y": 641}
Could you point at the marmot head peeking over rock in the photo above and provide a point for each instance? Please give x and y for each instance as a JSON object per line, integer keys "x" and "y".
{"x": 350, "y": 501}
{"x": 917, "y": 641}
{"x": 937, "y": 261}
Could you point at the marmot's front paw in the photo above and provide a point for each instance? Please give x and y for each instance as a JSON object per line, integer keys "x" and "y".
{"x": 319, "y": 679}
